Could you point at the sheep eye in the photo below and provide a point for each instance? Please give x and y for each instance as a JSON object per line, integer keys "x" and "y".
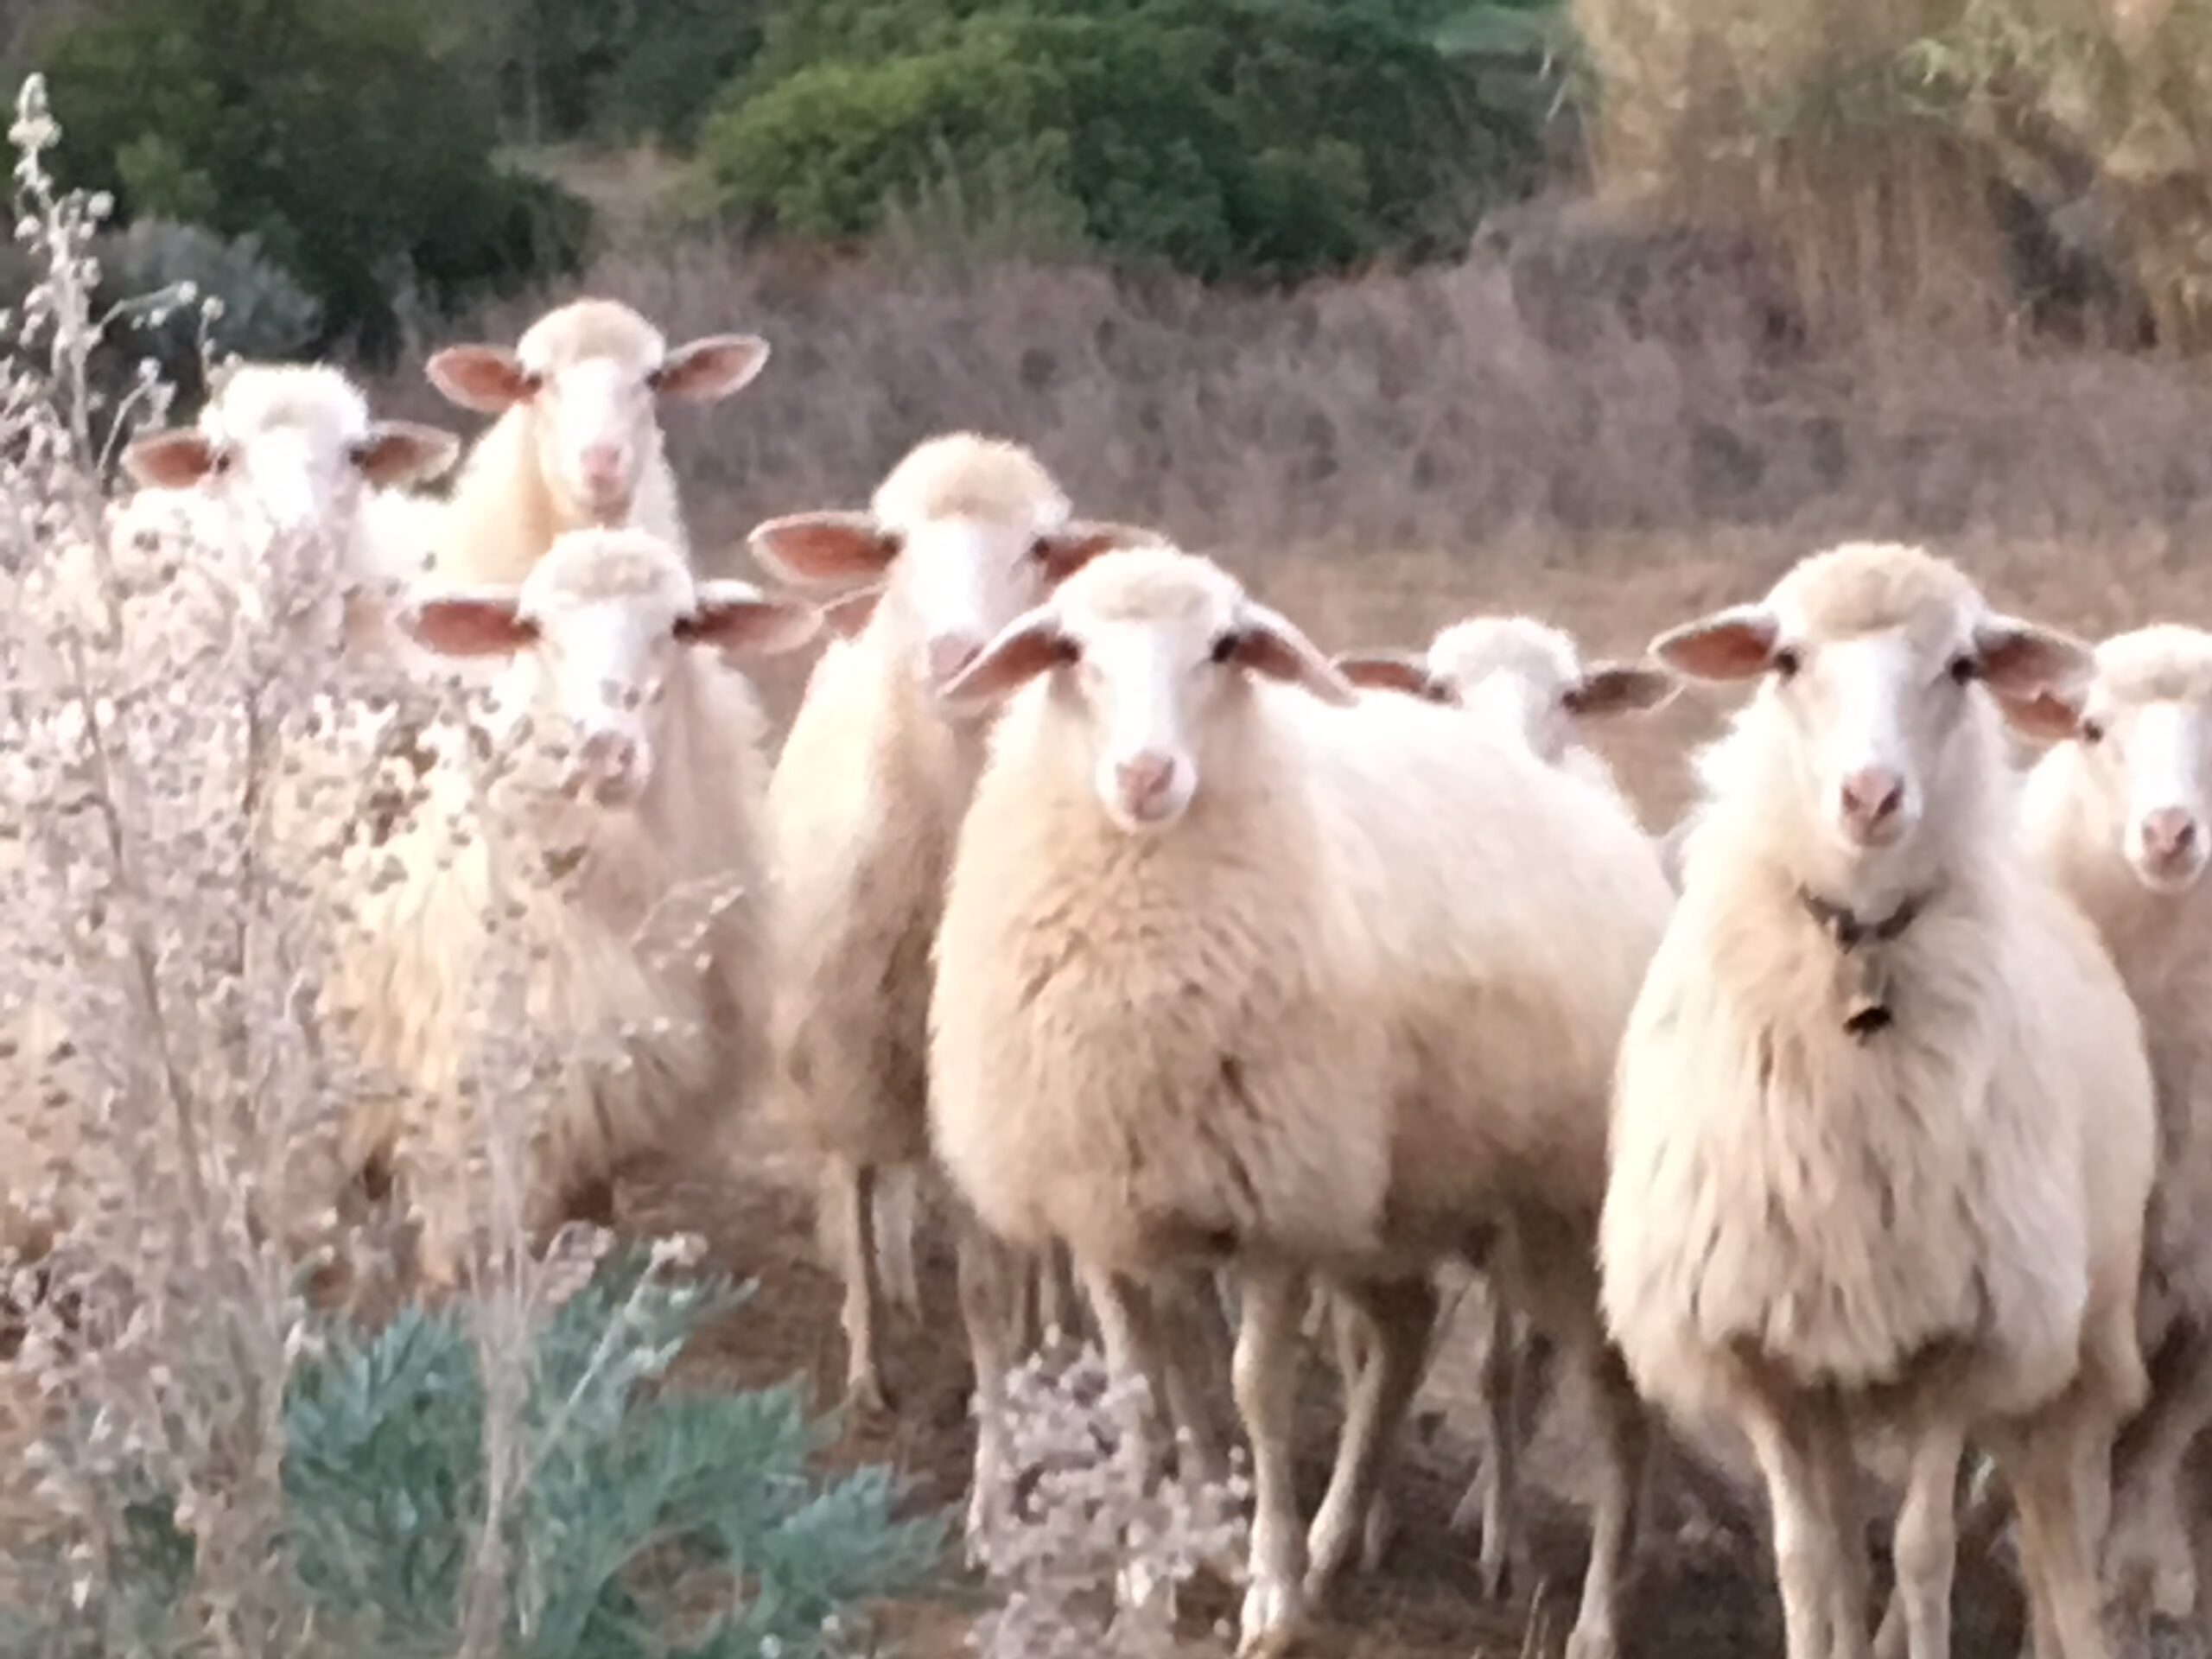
{"x": 1225, "y": 647}
{"x": 222, "y": 462}
{"x": 532, "y": 384}
{"x": 1786, "y": 662}
{"x": 2092, "y": 731}
{"x": 1965, "y": 669}
{"x": 654, "y": 377}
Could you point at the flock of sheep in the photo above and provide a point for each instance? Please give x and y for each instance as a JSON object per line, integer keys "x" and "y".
{"x": 1861, "y": 1113}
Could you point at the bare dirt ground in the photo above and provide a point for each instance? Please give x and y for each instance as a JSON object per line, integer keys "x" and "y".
{"x": 1697, "y": 1596}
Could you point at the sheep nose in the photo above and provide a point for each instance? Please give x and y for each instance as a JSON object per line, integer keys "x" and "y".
{"x": 1143, "y": 779}
{"x": 602, "y": 466}
{"x": 947, "y": 654}
{"x": 1870, "y": 798}
{"x": 612, "y": 763}
{"x": 2169, "y": 833}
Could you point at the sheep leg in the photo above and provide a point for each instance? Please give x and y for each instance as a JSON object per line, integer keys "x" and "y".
{"x": 1624, "y": 1443}
{"x": 1131, "y": 1339}
{"x": 990, "y": 1277}
{"x": 1398, "y": 1315}
{"x": 1194, "y": 1344}
{"x": 848, "y": 1196}
{"x": 1890, "y": 1640}
{"x": 1492, "y": 1496}
{"x": 1266, "y": 1397}
{"x": 1926, "y": 1549}
{"x": 1786, "y": 1438}
{"x": 898, "y": 1207}
{"x": 1058, "y": 1309}
{"x": 2048, "y": 1464}
{"x": 2147, "y": 1558}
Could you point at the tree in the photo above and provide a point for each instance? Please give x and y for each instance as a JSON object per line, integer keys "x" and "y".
{"x": 1226, "y": 137}
{"x": 328, "y": 129}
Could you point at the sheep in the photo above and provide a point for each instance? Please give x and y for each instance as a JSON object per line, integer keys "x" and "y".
{"x": 1882, "y": 1130}
{"x": 962, "y": 535}
{"x": 1526, "y": 681}
{"x": 1237, "y": 967}
{"x": 577, "y": 443}
{"x": 284, "y": 468}
{"x": 286, "y": 460}
{"x": 649, "y": 822}
{"x": 2119, "y": 815}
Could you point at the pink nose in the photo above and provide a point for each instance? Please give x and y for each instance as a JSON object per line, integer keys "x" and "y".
{"x": 1143, "y": 779}
{"x": 611, "y": 762}
{"x": 1872, "y": 797}
{"x": 2169, "y": 835}
{"x": 602, "y": 464}
{"x": 948, "y": 653}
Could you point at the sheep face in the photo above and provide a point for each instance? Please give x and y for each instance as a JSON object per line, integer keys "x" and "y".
{"x": 2143, "y": 729}
{"x": 290, "y": 452}
{"x": 1520, "y": 677}
{"x": 591, "y": 375}
{"x": 1871, "y": 660}
{"x": 594, "y": 633}
{"x": 1153, "y": 652}
{"x": 948, "y": 582}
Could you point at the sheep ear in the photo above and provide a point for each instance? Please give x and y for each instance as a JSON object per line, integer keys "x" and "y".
{"x": 480, "y": 624}
{"x": 850, "y": 612}
{"x": 489, "y": 379}
{"x": 2021, "y": 658}
{"x": 1735, "y": 644}
{"x": 170, "y": 460}
{"x": 1393, "y": 670}
{"x": 1609, "y": 689}
{"x": 1268, "y": 643}
{"x": 398, "y": 452}
{"x": 708, "y": 370}
{"x": 1031, "y": 645}
{"x": 829, "y": 549}
{"x": 735, "y": 616}
{"x": 1060, "y": 553}
{"x": 2044, "y": 717}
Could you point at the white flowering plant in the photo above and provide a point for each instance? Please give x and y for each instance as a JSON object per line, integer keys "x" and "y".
{"x": 210, "y": 1444}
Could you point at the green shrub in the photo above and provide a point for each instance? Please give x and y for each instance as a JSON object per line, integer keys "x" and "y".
{"x": 326, "y": 128}
{"x": 654, "y": 1521}
{"x": 1225, "y": 138}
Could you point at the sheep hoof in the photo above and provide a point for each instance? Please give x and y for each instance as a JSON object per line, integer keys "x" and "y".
{"x": 866, "y": 1399}
{"x": 1374, "y": 1541}
{"x": 1271, "y": 1619}
{"x": 1494, "y": 1575}
{"x": 1591, "y": 1642}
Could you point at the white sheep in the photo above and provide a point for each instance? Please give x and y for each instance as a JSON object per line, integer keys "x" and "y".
{"x": 1525, "y": 681}
{"x": 623, "y": 864}
{"x": 2119, "y": 814}
{"x": 286, "y": 463}
{"x": 964, "y": 534}
{"x": 1882, "y": 1132}
{"x": 1237, "y": 966}
{"x": 577, "y": 443}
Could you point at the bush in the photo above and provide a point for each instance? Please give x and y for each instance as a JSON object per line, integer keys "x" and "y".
{"x": 261, "y": 311}
{"x": 325, "y": 128}
{"x": 193, "y": 1460}
{"x": 1223, "y": 137}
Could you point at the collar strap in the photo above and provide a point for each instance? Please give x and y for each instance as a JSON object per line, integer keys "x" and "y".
{"x": 1864, "y": 984}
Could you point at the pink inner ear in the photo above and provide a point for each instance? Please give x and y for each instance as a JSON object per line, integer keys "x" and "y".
{"x": 1727, "y": 647}
{"x": 712, "y": 368}
{"x": 1388, "y": 673}
{"x": 2018, "y": 659}
{"x": 486, "y": 379}
{"x": 1029, "y": 647}
{"x": 1268, "y": 644}
{"x": 400, "y": 453}
{"x": 2045, "y": 716}
{"x": 764, "y": 626}
{"x": 468, "y": 627}
{"x": 824, "y": 547}
{"x": 848, "y": 616}
{"x": 169, "y": 460}
{"x": 1618, "y": 688}
{"x": 1063, "y": 551}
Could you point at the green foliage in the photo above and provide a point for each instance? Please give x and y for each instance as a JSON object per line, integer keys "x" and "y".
{"x": 325, "y": 128}
{"x": 644, "y": 1503}
{"x": 1225, "y": 138}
